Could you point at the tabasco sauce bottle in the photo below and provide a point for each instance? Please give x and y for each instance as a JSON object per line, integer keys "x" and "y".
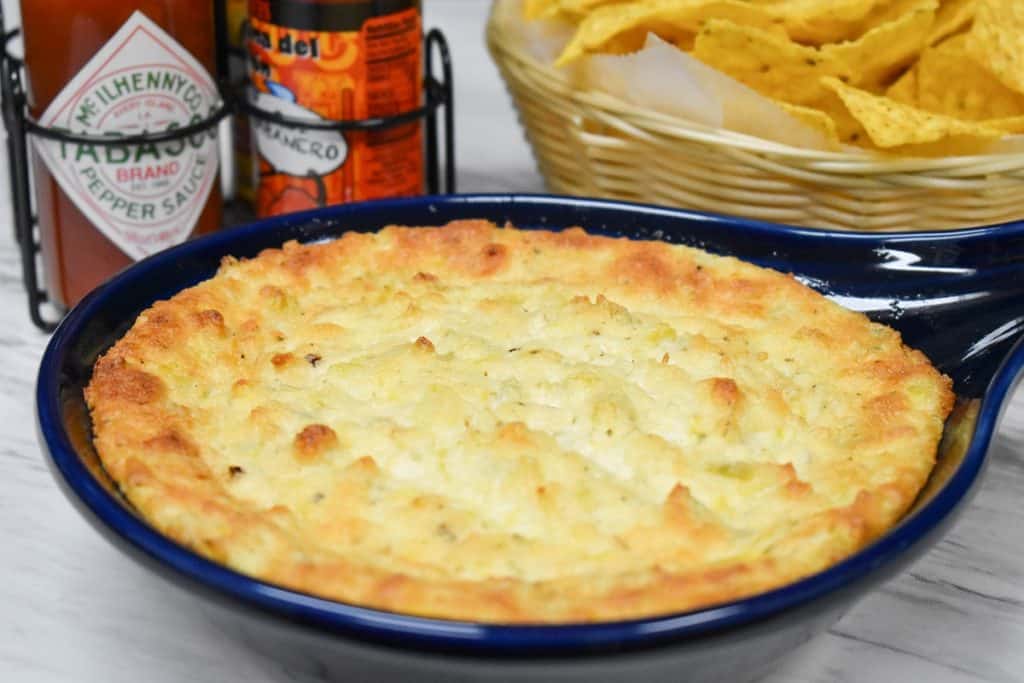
{"x": 323, "y": 60}
{"x": 119, "y": 67}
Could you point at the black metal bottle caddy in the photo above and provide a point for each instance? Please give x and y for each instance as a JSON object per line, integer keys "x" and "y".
{"x": 438, "y": 90}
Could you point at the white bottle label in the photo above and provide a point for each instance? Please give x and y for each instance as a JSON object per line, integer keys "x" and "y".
{"x": 143, "y": 197}
{"x": 296, "y": 151}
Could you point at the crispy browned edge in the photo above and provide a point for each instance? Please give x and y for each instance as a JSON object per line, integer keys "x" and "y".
{"x": 145, "y": 444}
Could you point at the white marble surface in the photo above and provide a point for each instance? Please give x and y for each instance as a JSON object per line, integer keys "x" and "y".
{"x": 73, "y": 609}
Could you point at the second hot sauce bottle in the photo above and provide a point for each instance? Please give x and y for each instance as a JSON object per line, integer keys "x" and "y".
{"x": 340, "y": 60}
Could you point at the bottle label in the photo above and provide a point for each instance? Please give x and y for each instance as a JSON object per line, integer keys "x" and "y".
{"x": 340, "y": 63}
{"x": 146, "y": 197}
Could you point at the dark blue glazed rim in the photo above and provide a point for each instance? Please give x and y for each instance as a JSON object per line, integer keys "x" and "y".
{"x": 765, "y": 243}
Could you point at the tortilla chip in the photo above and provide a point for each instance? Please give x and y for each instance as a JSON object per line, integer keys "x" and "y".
{"x": 885, "y": 50}
{"x": 905, "y": 88}
{"x": 537, "y": 9}
{"x": 815, "y": 22}
{"x": 996, "y": 40}
{"x": 1012, "y": 125}
{"x": 955, "y": 146}
{"x": 578, "y": 9}
{"x": 890, "y": 124}
{"x": 953, "y": 16}
{"x": 771, "y": 64}
{"x": 850, "y": 129}
{"x": 815, "y": 118}
{"x": 778, "y": 68}
{"x": 950, "y": 82}
{"x": 957, "y": 44}
{"x": 624, "y": 27}
{"x": 883, "y": 13}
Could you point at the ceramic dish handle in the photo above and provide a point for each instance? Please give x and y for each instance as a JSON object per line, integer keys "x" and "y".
{"x": 966, "y": 322}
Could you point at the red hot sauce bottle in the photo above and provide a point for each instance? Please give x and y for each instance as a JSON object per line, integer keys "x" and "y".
{"x": 100, "y": 67}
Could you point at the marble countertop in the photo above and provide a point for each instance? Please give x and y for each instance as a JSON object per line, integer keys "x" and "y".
{"x": 74, "y": 609}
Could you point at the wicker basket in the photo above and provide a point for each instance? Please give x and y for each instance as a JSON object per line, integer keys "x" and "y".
{"x": 590, "y": 143}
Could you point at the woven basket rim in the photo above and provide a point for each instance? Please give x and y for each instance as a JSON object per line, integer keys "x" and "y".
{"x": 838, "y": 162}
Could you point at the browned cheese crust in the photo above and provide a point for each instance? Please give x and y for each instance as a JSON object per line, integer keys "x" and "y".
{"x": 483, "y": 423}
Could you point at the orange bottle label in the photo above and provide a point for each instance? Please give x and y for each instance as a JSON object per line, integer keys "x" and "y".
{"x": 316, "y": 75}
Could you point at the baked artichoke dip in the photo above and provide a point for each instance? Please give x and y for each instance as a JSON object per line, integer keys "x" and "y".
{"x": 488, "y": 424}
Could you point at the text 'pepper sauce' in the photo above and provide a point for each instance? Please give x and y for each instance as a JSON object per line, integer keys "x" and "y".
{"x": 335, "y": 60}
{"x": 110, "y": 67}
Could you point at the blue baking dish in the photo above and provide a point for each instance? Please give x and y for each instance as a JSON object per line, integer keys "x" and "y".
{"x": 957, "y": 296}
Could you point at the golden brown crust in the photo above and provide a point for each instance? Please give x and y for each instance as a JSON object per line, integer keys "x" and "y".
{"x": 313, "y": 442}
{"x": 515, "y": 426}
